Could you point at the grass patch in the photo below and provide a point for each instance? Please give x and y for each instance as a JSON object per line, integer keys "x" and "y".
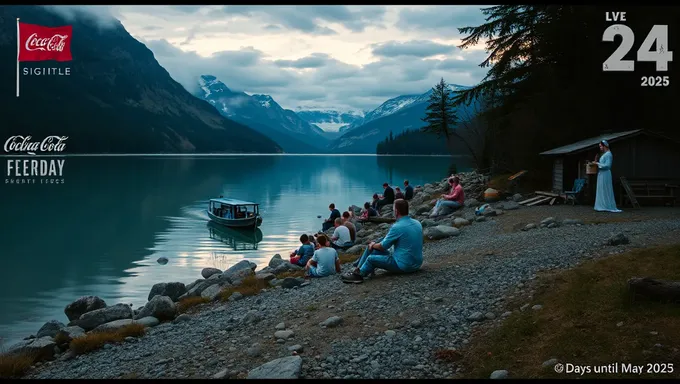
{"x": 249, "y": 287}
{"x": 15, "y": 365}
{"x": 348, "y": 258}
{"x": 578, "y": 322}
{"x": 187, "y": 303}
{"x": 96, "y": 340}
{"x": 291, "y": 274}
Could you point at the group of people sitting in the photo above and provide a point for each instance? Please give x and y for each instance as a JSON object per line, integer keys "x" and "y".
{"x": 318, "y": 253}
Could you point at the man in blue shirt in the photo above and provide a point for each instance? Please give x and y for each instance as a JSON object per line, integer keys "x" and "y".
{"x": 304, "y": 253}
{"x": 406, "y": 235}
{"x": 328, "y": 223}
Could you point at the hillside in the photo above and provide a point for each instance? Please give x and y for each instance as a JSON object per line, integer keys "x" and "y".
{"x": 118, "y": 99}
{"x": 395, "y": 115}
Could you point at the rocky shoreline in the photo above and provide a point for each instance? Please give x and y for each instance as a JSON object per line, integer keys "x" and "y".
{"x": 321, "y": 328}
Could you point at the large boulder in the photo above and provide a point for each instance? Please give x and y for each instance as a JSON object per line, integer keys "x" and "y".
{"x": 42, "y": 348}
{"x": 92, "y": 320}
{"x": 287, "y": 267}
{"x": 212, "y": 293}
{"x": 160, "y": 307}
{"x": 113, "y": 325}
{"x": 284, "y": 368}
{"x": 441, "y": 232}
{"x": 51, "y": 328}
{"x": 428, "y": 223}
{"x": 207, "y": 272}
{"x": 276, "y": 261}
{"x": 69, "y": 333}
{"x": 83, "y": 305}
{"x": 172, "y": 290}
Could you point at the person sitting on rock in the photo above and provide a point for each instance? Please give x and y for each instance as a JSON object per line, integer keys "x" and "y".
{"x": 408, "y": 190}
{"x": 398, "y": 194}
{"x": 347, "y": 222}
{"x": 405, "y": 235}
{"x": 328, "y": 223}
{"x": 303, "y": 254}
{"x": 341, "y": 239}
{"x": 312, "y": 241}
{"x": 368, "y": 212}
{"x": 453, "y": 201}
{"x": 387, "y": 197}
{"x": 325, "y": 261}
{"x": 374, "y": 203}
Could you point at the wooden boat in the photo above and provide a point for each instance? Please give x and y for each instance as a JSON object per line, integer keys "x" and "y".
{"x": 234, "y": 213}
{"x": 239, "y": 239}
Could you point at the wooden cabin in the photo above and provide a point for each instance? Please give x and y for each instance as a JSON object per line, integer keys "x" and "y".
{"x": 646, "y": 159}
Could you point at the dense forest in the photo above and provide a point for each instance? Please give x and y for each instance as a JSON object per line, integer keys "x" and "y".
{"x": 547, "y": 85}
{"x": 412, "y": 142}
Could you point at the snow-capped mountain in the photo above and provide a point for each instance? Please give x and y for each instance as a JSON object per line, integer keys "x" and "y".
{"x": 329, "y": 120}
{"x": 264, "y": 114}
{"x": 395, "y": 115}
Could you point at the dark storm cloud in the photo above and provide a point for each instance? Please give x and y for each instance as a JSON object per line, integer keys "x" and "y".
{"x": 418, "y": 48}
{"x": 442, "y": 18}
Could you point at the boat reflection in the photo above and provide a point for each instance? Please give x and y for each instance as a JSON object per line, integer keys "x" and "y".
{"x": 237, "y": 239}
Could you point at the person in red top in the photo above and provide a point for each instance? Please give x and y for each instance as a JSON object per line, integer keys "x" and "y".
{"x": 454, "y": 200}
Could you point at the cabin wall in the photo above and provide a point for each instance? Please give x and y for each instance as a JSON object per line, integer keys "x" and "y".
{"x": 558, "y": 175}
{"x": 638, "y": 157}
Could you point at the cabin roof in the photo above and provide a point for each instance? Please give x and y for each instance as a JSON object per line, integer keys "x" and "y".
{"x": 589, "y": 143}
{"x": 233, "y": 201}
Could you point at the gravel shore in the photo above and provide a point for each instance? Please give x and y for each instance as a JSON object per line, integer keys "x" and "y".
{"x": 388, "y": 327}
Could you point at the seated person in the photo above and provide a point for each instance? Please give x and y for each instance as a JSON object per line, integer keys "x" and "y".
{"x": 341, "y": 238}
{"x": 387, "y": 197}
{"x": 398, "y": 194}
{"x": 374, "y": 203}
{"x": 303, "y": 254}
{"x": 325, "y": 261}
{"x": 405, "y": 235}
{"x": 328, "y": 223}
{"x": 408, "y": 190}
{"x": 347, "y": 222}
{"x": 368, "y": 212}
{"x": 312, "y": 241}
{"x": 454, "y": 200}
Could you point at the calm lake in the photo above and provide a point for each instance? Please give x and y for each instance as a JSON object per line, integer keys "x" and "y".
{"x": 102, "y": 230}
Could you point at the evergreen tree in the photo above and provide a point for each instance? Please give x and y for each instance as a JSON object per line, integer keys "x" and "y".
{"x": 440, "y": 115}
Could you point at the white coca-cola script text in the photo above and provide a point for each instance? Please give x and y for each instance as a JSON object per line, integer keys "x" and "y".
{"x": 24, "y": 144}
{"x": 49, "y": 44}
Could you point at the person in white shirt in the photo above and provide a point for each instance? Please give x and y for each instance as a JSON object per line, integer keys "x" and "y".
{"x": 325, "y": 261}
{"x": 342, "y": 238}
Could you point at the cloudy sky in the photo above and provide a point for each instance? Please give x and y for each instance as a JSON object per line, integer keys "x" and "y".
{"x": 336, "y": 57}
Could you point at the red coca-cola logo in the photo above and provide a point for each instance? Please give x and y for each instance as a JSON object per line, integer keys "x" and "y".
{"x": 49, "y": 44}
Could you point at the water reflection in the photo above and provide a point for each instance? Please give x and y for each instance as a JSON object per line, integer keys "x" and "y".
{"x": 236, "y": 239}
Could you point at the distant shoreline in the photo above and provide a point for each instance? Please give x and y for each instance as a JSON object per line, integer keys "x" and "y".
{"x": 219, "y": 154}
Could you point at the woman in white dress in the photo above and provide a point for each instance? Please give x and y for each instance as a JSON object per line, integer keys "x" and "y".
{"x": 604, "y": 198}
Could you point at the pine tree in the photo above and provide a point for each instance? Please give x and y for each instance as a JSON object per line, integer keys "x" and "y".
{"x": 440, "y": 115}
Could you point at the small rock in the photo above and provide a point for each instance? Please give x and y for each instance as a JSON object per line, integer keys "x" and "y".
{"x": 221, "y": 374}
{"x": 537, "y": 307}
{"x": 285, "y": 335}
{"x": 619, "y": 324}
{"x": 548, "y": 221}
{"x": 550, "y": 363}
{"x": 162, "y": 260}
{"x": 254, "y": 350}
{"x": 618, "y": 239}
{"x": 552, "y": 225}
{"x": 499, "y": 374}
{"x": 235, "y": 296}
{"x": 331, "y": 322}
{"x": 506, "y": 314}
{"x": 517, "y": 197}
{"x": 476, "y": 316}
{"x": 390, "y": 333}
{"x": 181, "y": 318}
{"x": 290, "y": 282}
{"x": 296, "y": 348}
{"x": 280, "y": 326}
